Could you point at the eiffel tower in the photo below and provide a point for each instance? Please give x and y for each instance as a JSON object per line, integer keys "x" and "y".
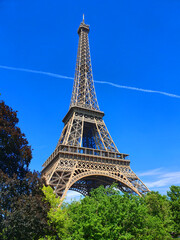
{"x": 86, "y": 155}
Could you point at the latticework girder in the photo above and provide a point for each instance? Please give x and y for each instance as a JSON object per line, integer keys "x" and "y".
{"x": 83, "y": 175}
{"x": 84, "y": 130}
{"x": 83, "y": 93}
{"x": 86, "y": 155}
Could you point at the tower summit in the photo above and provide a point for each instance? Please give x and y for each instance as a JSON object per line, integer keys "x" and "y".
{"x": 86, "y": 156}
{"x": 83, "y": 94}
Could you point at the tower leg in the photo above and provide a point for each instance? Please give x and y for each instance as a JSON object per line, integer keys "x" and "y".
{"x": 59, "y": 178}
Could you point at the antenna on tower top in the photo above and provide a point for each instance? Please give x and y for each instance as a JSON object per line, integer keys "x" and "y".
{"x": 83, "y": 17}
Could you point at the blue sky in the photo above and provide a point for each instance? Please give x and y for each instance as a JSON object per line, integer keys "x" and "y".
{"x": 133, "y": 43}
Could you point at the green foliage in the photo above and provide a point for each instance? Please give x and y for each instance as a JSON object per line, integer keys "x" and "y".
{"x": 107, "y": 214}
{"x": 174, "y": 200}
{"x": 159, "y": 207}
{"x": 57, "y": 217}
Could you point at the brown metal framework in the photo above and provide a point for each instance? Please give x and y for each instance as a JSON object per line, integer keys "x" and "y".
{"x": 86, "y": 156}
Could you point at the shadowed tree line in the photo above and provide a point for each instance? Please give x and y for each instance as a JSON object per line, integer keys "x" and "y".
{"x": 23, "y": 213}
{"x": 29, "y": 209}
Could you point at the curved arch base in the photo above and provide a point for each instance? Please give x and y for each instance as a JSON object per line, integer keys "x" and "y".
{"x": 86, "y": 184}
{"x": 84, "y": 176}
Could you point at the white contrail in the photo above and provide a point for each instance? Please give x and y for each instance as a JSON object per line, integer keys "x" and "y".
{"x": 139, "y": 89}
{"x": 101, "y": 82}
{"x": 35, "y": 71}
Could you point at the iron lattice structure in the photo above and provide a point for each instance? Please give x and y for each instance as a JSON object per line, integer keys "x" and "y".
{"x": 86, "y": 156}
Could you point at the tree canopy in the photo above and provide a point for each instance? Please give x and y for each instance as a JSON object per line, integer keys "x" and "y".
{"x": 174, "y": 199}
{"x": 23, "y": 211}
{"x": 15, "y": 153}
{"x": 109, "y": 214}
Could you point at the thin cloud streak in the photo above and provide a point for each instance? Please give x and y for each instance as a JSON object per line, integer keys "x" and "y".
{"x": 101, "y": 82}
{"x": 164, "y": 179}
{"x": 163, "y": 182}
{"x": 36, "y": 72}
{"x": 139, "y": 89}
{"x": 153, "y": 172}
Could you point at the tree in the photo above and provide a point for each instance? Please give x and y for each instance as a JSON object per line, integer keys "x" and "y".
{"x": 108, "y": 214}
{"x": 174, "y": 200}
{"x": 15, "y": 153}
{"x": 23, "y": 210}
{"x": 57, "y": 216}
{"x": 158, "y": 205}
{"x": 159, "y": 210}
